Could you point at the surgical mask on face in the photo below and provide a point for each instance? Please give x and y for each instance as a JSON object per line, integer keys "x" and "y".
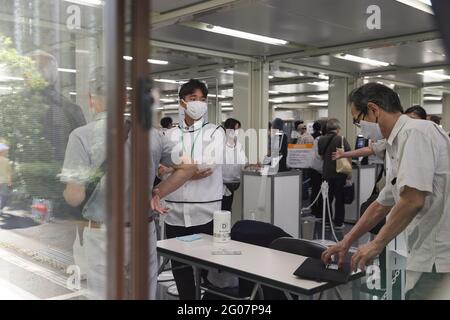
{"x": 196, "y": 109}
{"x": 370, "y": 130}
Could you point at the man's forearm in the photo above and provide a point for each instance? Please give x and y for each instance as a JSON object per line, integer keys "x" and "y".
{"x": 363, "y": 152}
{"x": 181, "y": 174}
{"x": 401, "y": 215}
{"x": 371, "y": 217}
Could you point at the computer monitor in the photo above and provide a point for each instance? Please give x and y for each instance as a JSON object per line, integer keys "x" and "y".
{"x": 361, "y": 142}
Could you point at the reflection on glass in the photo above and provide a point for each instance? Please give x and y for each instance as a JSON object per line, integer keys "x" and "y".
{"x": 52, "y": 144}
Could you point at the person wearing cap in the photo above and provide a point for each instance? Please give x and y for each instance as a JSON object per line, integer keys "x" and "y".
{"x": 305, "y": 137}
{"x": 5, "y": 175}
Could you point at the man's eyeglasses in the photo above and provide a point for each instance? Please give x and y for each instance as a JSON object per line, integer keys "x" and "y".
{"x": 358, "y": 119}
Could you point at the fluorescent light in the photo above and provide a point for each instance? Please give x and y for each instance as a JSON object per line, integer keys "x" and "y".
{"x": 319, "y": 104}
{"x": 323, "y": 76}
{"x": 6, "y": 78}
{"x": 372, "y": 62}
{"x": 275, "y": 101}
{"x": 432, "y": 98}
{"x": 67, "y": 70}
{"x": 226, "y": 104}
{"x": 89, "y": 3}
{"x": 271, "y": 77}
{"x": 167, "y": 100}
{"x": 160, "y": 108}
{"x": 274, "y": 92}
{"x": 319, "y": 83}
{"x": 129, "y": 88}
{"x": 423, "y": 5}
{"x": 167, "y": 81}
{"x": 171, "y": 106}
{"x": 161, "y": 62}
{"x": 152, "y": 61}
{"x": 227, "y": 109}
{"x": 215, "y": 96}
{"x": 319, "y": 96}
{"x": 244, "y": 35}
{"x": 73, "y": 93}
{"x": 227, "y": 71}
{"x": 434, "y": 74}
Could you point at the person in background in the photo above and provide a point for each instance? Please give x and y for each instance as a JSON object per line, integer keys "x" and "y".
{"x": 316, "y": 171}
{"x": 166, "y": 124}
{"x": 235, "y": 160}
{"x": 316, "y": 129}
{"x": 279, "y": 143}
{"x": 416, "y": 112}
{"x": 336, "y": 180}
{"x": 305, "y": 137}
{"x": 435, "y": 119}
{"x": 295, "y": 132}
{"x": 5, "y": 175}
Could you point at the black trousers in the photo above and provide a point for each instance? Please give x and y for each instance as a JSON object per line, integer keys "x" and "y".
{"x": 316, "y": 183}
{"x": 227, "y": 202}
{"x": 184, "y": 277}
{"x": 336, "y": 192}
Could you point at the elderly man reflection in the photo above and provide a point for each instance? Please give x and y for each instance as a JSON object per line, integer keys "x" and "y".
{"x": 84, "y": 162}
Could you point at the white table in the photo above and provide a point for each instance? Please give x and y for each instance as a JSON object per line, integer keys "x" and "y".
{"x": 260, "y": 265}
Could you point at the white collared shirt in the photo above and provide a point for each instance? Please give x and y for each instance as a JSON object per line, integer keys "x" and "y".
{"x": 419, "y": 154}
{"x": 194, "y": 203}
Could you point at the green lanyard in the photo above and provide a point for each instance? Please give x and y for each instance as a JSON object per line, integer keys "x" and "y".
{"x": 193, "y": 144}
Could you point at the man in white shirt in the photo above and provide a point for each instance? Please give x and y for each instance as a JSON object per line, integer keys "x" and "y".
{"x": 191, "y": 207}
{"x": 416, "y": 195}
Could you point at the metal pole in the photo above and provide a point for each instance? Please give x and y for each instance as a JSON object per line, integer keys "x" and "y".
{"x": 140, "y": 188}
{"x": 114, "y": 36}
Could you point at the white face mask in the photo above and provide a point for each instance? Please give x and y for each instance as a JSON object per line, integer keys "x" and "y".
{"x": 371, "y": 130}
{"x": 196, "y": 109}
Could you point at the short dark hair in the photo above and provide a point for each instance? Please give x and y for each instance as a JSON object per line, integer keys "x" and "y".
{"x": 190, "y": 87}
{"x": 277, "y": 123}
{"x": 296, "y": 123}
{"x": 230, "y": 123}
{"x": 166, "y": 122}
{"x": 384, "y": 97}
{"x": 317, "y": 126}
{"x": 418, "y": 110}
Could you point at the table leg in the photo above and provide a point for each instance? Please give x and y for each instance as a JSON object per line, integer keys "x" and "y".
{"x": 197, "y": 277}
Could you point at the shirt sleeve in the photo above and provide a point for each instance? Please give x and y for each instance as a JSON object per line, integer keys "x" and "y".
{"x": 414, "y": 170}
{"x": 386, "y": 197}
{"x": 77, "y": 165}
{"x": 379, "y": 148}
{"x": 167, "y": 147}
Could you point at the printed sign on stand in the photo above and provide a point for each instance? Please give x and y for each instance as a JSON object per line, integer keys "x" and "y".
{"x": 300, "y": 155}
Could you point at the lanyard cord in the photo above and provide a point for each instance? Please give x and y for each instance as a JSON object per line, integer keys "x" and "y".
{"x": 193, "y": 144}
